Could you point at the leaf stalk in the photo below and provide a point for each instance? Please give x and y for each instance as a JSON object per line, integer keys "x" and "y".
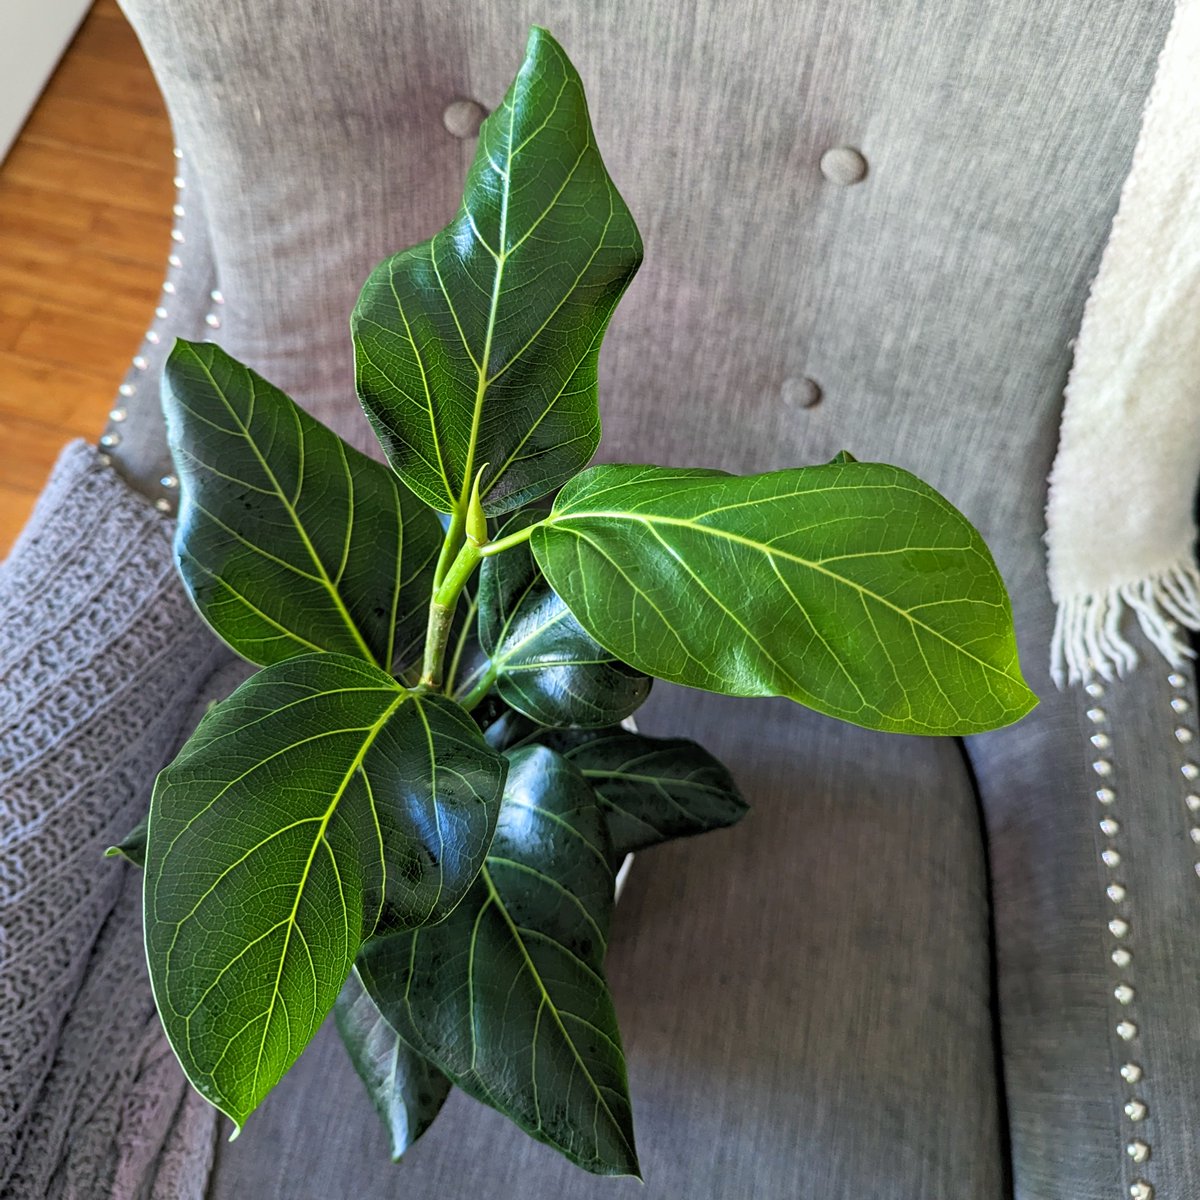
{"x": 442, "y": 606}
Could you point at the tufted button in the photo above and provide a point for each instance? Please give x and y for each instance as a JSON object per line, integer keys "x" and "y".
{"x": 464, "y": 117}
{"x": 843, "y": 165}
{"x": 801, "y": 392}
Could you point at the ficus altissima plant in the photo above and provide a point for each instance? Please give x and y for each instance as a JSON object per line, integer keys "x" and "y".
{"x": 412, "y": 813}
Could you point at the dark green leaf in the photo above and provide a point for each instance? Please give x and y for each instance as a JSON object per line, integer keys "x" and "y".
{"x": 480, "y": 346}
{"x": 132, "y": 846}
{"x": 321, "y": 801}
{"x": 507, "y": 995}
{"x": 408, "y": 1091}
{"x": 853, "y": 588}
{"x": 651, "y": 789}
{"x": 289, "y": 540}
{"x": 509, "y": 730}
{"x": 543, "y": 663}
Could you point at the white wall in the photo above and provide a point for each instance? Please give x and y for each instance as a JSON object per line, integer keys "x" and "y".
{"x": 33, "y": 35}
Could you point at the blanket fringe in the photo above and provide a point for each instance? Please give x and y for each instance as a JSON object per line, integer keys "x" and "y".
{"x": 1087, "y": 634}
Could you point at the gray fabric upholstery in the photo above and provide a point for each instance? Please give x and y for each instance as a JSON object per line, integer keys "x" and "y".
{"x": 805, "y": 999}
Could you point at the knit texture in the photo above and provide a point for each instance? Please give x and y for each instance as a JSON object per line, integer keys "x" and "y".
{"x": 101, "y": 658}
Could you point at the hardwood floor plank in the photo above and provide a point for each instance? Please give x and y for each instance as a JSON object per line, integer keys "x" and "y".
{"x": 100, "y": 128}
{"x": 69, "y": 398}
{"x": 85, "y": 217}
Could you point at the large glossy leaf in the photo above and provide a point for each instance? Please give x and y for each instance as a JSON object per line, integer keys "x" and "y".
{"x": 289, "y": 540}
{"x": 319, "y": 802}
{"x": 542, "y": 661}
{"x": 853, "y": 588}
{"x": 651, "y": 790}
{"x": 408, "y": 1091}
{"x": 480, "y": 346}
{"x": 507, "y": 995}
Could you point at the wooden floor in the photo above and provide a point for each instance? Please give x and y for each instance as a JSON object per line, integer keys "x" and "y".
{"x": 85, "y": 218}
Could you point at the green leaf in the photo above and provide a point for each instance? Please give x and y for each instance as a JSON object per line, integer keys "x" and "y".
{"x": 542, "y": 662}
{"x": 289, "y": 540}
{"x": 853, "y": 588}
{"x": 321, "y": 801}
{"x": 507, "y": 995}
{"x": 651, "y": 790}
{"x": 480, "y": 346}
{"x": 408, "y": 1091}
{"x": 132, "y": 847}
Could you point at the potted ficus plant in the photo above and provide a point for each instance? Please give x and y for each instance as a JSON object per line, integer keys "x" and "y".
{"x": 414, "y": 809}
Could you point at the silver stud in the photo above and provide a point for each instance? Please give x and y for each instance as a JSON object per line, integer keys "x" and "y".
{"x": 176, "y": 235}
{"x": 1110, "y": 858}
{"x": 216, "y": 296}
{"x": 1126, "y": 1031}
{"x": 1139, "y": 1189}
{"x": 1190, "y": 771}
{"x": 1100, "y": 740}
{"x": 127, "y": 389}
{"x": 177, "y": 152}
{"x": 140, "y": 362}
{"x": 1115, "y": 892}
{"x": 1123, "y": 993}
{"x": 1135, "y": 1110}
{"x": 1122, "y": 957}
{"x": 1105, "y": 795}
{"x": 1118, "y": 928}
{"x": 1096, "y": 715}
{"x": 213, "y": 321}
{"x": 109, "y": 440}
{"x": 1176, "y": 680}
{"x": 1180, "y": 705}
{"x": 1183, "y": 735}
{"x": 177, "y": 209}
{"x": 160, "y": 313}
{"x": 153, "y": 337}
{"x": 175, "y": 261}
{"x": 1194, "y": 834}
{"x": 117, "y": 415}
{"x": 1131, "y": 1072}
{"x": 1198, "y": 868}
{"x": 105, "y": 459}
{"x": 1095, "y": 690}
{"x": 1102, "y": 767}
{"x": 1109, "y": 827}
{"x": 162, "y": 504}
{"x": 178, "y": 181}
{"x": 169, "y": 481}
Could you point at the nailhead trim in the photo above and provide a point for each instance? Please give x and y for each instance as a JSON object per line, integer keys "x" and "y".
{"x": 169, "y": 483}
{"x": 1123, "y": 992}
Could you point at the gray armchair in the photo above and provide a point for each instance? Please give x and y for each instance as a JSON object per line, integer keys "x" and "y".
{"x": 920, "y": 968}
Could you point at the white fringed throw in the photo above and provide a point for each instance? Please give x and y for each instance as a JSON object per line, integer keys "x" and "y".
{"x": 1120, "y": 523}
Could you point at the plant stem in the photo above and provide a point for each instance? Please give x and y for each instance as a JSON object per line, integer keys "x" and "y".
{"x": 507, "y": 543}
{"x": 472, "y": 699}
{"x": 450, "y": 545}
{"x": 441, "y": 610}
{"x": 464, "y": 637}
